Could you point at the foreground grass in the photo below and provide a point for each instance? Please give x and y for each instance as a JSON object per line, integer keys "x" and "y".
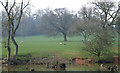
{"x": 41, "y": 46}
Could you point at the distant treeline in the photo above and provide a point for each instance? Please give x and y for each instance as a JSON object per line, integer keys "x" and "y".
{"x": 59, "y": 21}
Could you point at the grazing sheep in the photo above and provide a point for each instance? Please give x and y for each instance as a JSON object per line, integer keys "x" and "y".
{"x": 60, "y": 43}
{"x": 21, "y": 42}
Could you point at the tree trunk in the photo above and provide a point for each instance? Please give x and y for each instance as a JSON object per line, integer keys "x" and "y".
{"x": 14, "y": 42}
{"x": 85, "y": 37}
{"x": 9, "y": 52}
{"x": 8, "y": 43}
{"x": 65, "y": 37}
{"x": 98, "y": 54}
{"x": 16, "y": 46}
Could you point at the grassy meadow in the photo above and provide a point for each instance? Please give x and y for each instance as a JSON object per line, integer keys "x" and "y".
{"x": 41, "y": 46}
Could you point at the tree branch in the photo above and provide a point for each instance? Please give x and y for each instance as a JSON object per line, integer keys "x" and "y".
{"x": 12, "y": 6}
{"x": 26, "y": 5}
{"x": 5, "y": 7}
{"x": 2, "y": 4}
{"x": 21, "y": 12}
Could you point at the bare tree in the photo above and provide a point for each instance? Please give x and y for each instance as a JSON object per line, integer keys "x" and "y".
{"x": 86, "y": 29}
{"x": 57, "y": 21}
{"x": 8, "y": 11}
{"x": 86, "y": 24}
{"x": 107, "y": 11}
{"x": 13, "y": 11}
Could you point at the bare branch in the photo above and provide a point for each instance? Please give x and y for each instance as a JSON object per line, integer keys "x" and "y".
{"x": 21, "y": 12}
{"x": 115, "y": 16}
{"x": 111, "y": 15}
{"x": 26, "y": 5}
{"x": 19, "y": 18}
{"x": 5, "y": 7}
{"x": 2, "y": 4}
{"x": 12, "y": 6}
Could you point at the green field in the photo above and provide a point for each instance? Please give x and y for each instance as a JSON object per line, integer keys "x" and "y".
{"x": 41, "y": 46}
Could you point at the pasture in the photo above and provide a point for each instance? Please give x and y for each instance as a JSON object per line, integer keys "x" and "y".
{"x": 41, "y": 46}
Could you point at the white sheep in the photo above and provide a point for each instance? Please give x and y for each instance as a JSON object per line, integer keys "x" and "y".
{"x": 60, "y": 43}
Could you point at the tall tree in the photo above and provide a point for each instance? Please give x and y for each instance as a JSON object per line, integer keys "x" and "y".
{"x": 14, "y": 12}
{"x": 87, "y": 23}
{"x": 85, "y": 26}
{"x": 57, "y": 21}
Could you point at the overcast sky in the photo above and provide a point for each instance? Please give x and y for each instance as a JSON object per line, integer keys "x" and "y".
{"x": 70, "y": 4}
{"x": 52, "y": 4}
